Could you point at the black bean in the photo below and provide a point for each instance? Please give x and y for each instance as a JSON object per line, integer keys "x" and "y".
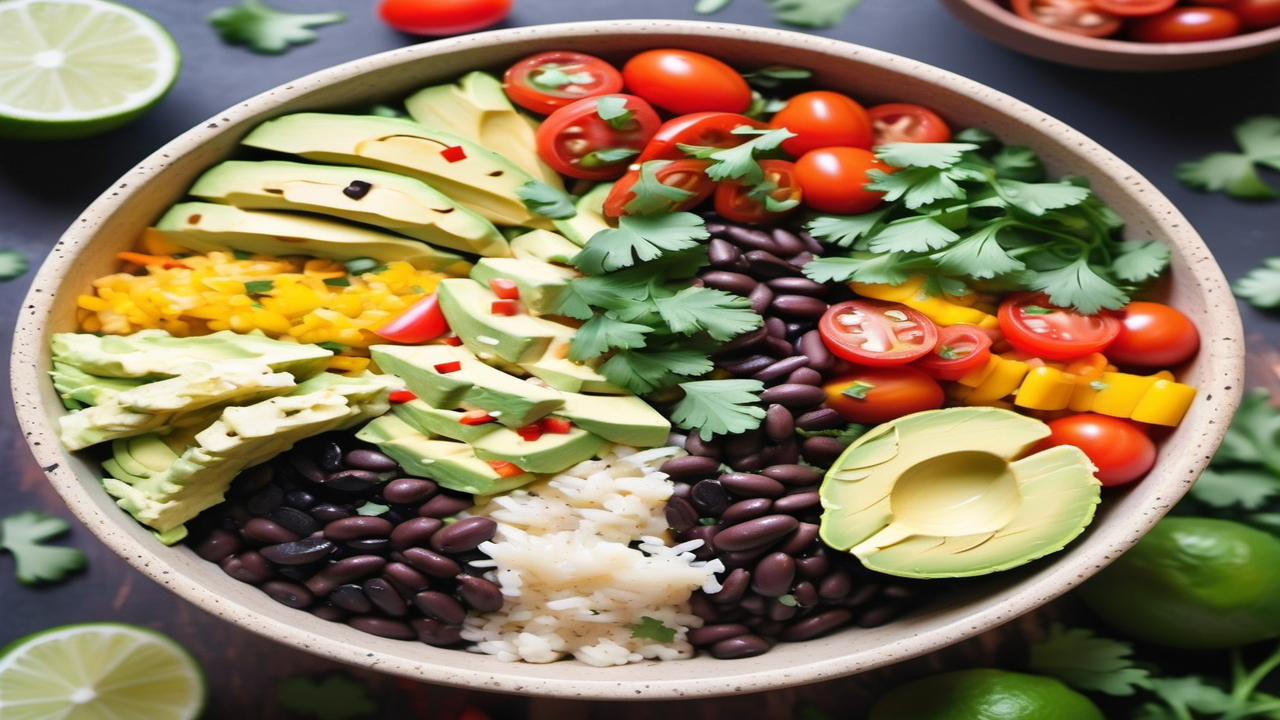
{"x": 787, "y": 243}
{"x": 821, "y": 451}
{"x": 720, "y": 252}
{"x": 755, "y": 533}
{"x": 701, "y": 604}
{"x": 761, "y": 298}
{"x": 329, "y": 457}
{"x": 298, "y": 552}
{"x": 813, "y": 566}
{"x": 325, "y": 611}
{"x": 383, "y": 627}
{"x": 351, "y": 598}
{"x": 295, "y": 520}
{"x": 384, "y": 595}
{"x": 777, "y": 328}
{"x": 730, "y": 282}
{"x": 306, "y": 467}
{"x": 798, "y": 286}
{"x": 749, "y": 463}
{"x": 786, "y": 451}
{"x": 773, "y": 575}
{"x": 812, "y": 345}
{"x": 481, "y": 594}
{"x": 441, "y": 606}
{"x": 406, "y": 579}
{"x": 409, "y": 490}
{"x": 268, "y": 531}
{"x": 779, "y": 611}
{"x": 352, "y": 480}
{"x": 695, "y": 445}
{"x": 811, "y": 243}
{"x": 345, "y": 571}
{"x": 712, "y": 634}
{"x": 793, "y": 396}
{"x": 689, "y": 466}
{"x": 816, "y": 625}
{"x": 287, "y": 593}
{"x": 733, "y": 587}
{"x": 836, "y": 585}
{"x": 799, "y": 503}
{"x": 680, "y": 514}
{"x": 444, "y": 505}
{"x": 743, "y": 443}
{"x": 743, "y": 646}
{"x": 801, "y": 259}
{"x": 434, "y": 632}
{"x": 766, "y": 264}
{"x": 710, "y": 497}
{"x": 746, "y": 366}
{"x": 799, "y": 306}
{"x": 805, "y": 593}
{"x": 415, "y": 532}
{"x": 782, "y": 367}
{"x": 779, "y": 347}
{"x": 463, "y": 535}
{"x": 796, "y": 328}
{"x": 705, "y": 533}
{"x": 249, "y": 566}
{"x": 802, "y": 538}
{"x": 821, "y": 419}
{"x": 878, "y": 615}
{"x": 750, "y": 237}
{"x": 805, "y": 376}
{"x": 779, "y": 423}
{"x": 751, "y": 485}
{"x": 328, "y": 512}
{"x": 431, "y": 562}
{"x": 265, "y": 500}
{"x": 743, "y": 341}
{"x": 300, "y": 499}
{"x": 358, "y": 527}
{"x": 218, "y": 544}
{"x": 366, "y": 459}
{"x": 744, "y": 510}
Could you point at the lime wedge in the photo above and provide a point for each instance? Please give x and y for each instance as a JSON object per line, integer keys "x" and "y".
{"x": 99, "y": 671}
{"x": 72, "y": 68}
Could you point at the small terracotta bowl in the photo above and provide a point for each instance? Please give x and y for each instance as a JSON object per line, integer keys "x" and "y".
{"x": 112, "y": 223}
{"x": 996, "y": 22}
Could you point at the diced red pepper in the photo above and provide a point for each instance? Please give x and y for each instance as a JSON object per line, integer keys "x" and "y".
{"x": 454, "y": 153}
{"x": 476, "y": 417}
{"x": 401, "y": 396}
{"x": 504, "y": 307}
{"x": 505, "y": 289}
{"x": 448, "y": 367}
{"x": 453, "y": 340}
{"x": 556, "y": 425}
{"x": 422, "y": 321}
{"x": 505, "y": 469}
{"x": 530, "y": 432}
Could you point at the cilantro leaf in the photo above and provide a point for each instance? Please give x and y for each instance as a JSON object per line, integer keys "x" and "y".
{"x": 1192, "y": 692}
{"x": 1039, "y": 198}
{"x": 614, "y": 111}
{"x": 719, "y": 407}
{"x": 721, "y": 315}
{"x": 651, "y": 194}
{"x": 547, "y": 201}
{"x": 914, "y": 234}
{"x": 1249, "y": 488}
{"x": 864, "y": 267}
{"x": 643, "y": 371}
{"x": 640, "y": 238}
{"x": 812, "y": 13}
{"x": 845, "y": 230}
{"x": 923, "y": 155}
{"x": 12, "y": 264}
{"x": 1078, "y": 285}
{"x": 601, "y": 333}
{"x": 1261, "y": 285}
{"x": 264, "y": 29}
{"x": 1085, "y": 661}
{"x": 1017, "y": 162}
{"x": 1236, "y": 173}
{"x": 25, "y": 534}
{"x": 552, "y": 76}
{"x": 1139, "y": 260}
{"x": 918, "y": 186}
{"x": 739, "y": 162}
{"x": 652, "y": 629}
{"x": 334, "y": 696}
{"x": 1253, "y": 437}
{"x": 979, "y": 255}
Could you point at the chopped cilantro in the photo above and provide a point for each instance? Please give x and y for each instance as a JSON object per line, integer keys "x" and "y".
{"x": 551, "y": 76}
{"x": 640, "y": 238}
{"x": 357, "y": 266}
{"x": 343, "y": 281}
{"x": 651, "y": 195}
{"x": 739, "y": 162}
{"x": 266, "y": 30}
{"x": 242, "y": 254}
{"x": 719, "y": 407}
{"x": 652, "y": 629}
{"x": 372, "y": 508}
{"x": 1236, "y": 173}
{"x": 613, "y": 110}
{"x": 547, "y": 201}
{"x": 12, "y": 264}
{"x": 332, "y": 346}
{"x": 771, "y": 77}
{"x": 1261, "y": 286}
{"x": 799, "y": 13}
{"x": 24, "y": 535}
{"x": 601, "y": 333}
{"x": 259, "y": 287}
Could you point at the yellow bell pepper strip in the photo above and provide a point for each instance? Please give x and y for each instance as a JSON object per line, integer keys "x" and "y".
{"x": 1164, "y": 403}
{"x": 943, "y": 310}
{"x": 1004, "y": 378}
{"x": 1045, "y": 388}
{"x": 1088, "y": 371}
{"x": 1120, "y": 393}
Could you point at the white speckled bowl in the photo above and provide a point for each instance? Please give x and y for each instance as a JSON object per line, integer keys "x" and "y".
{"x": 113, "y": 221}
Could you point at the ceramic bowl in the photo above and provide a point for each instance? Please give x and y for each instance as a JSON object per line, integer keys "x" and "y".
{"x": 997, "y": 22}
{"x": 113, "y": 222}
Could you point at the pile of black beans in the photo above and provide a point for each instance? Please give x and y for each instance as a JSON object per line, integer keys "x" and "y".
{"x": 753, "y": 497}
{"x": 334, "y": 527}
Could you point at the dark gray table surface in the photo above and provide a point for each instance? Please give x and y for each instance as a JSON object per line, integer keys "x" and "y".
{"x": 1151, "y": 121}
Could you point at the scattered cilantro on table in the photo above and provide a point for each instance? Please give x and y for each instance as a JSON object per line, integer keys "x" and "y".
{"x": 264, "y": 29}
{"x": 1261, "y": 285}
{"x": 800, "y": 13}
{"x": 12, "y": 264}
{"x": 1242, "y": 481}
{"x": 1236, "y": 173}
{"x": 334, "y": 696}
{"x": 25, "y": 535}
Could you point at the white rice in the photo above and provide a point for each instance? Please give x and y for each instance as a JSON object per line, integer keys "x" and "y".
{"x": 573, "y": 583}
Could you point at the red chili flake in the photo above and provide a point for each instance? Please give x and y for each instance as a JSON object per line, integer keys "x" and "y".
{"x": 448, "y": 367}
{"x": 453, "y": 340}
{"x": 530, "y": 432}
{"x": 504, "y": 307}
{"x": 401, "y": 396}
{"x": 556, "y": 425}
{"x": 454, "y": 153}
{"x": 504, "y": 468}
{"x": 505, "y": 289}
{"x": 175, "y": 265}
{"x": 476, "y": 417}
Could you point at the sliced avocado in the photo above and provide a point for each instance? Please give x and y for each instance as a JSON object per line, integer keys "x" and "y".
{"x": 561, "y": 373}
{"x": 550, "y": 453}
{"x": 79, "y": 388}
{"x": 624, "y": 419}
{"x": 452, "y": 464}
{"x": 468, "y": 307}
{"x": 955, "y": 493}
{"x": 589, "y": 219}
{"x": 476, "y": 108}
{"x": 473, "y": 176}
{"x": 390, "y": 201}
{"x": 446, "y": 423}
{"x": 540, "y": 283}
{"x": 154, "y": 353}
{"x": 544, "y": 246}
{"x": 204, "y": 227}
{"x": 474, "y": 384}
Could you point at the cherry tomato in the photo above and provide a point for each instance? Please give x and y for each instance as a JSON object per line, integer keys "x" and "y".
{"x": 1256, "y": 14}
{"x": 706, "y": 129}
{"x": 960, "y": 348}
{"x": 546, "y": 81}
{"x": 877, "y": 333}
{"x": 1074, "y": 16}
{"x": 1134, "y": 7}
{"x": 769, "y": 201}
{"x": 833, "y": 180}
{"x": 821, "y": 119}
{"x": 1153, "y": 335}
{"x": 1119, "y": 448}
{"x": 683, "y": 81}
{"x": 442, "y": 17}
{"x": 420, "y": 322}
{"x": 577, "y": 141}
{"x": 687, "y": 174}
{"x": 1184, "y": 24}
{"x": 1036, "y": 327}
{"x": 906, "y": 122}
{"x": 879, "y": 394}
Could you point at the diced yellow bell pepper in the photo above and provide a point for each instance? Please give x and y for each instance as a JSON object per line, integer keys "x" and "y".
{"x": 1045, "y": 388}
{"x": 943, "y": 310}
{"x": 1003, "y": 380}
{"x": 974, "y": 377}
{"x": 1120, "y": 393}
{"x": 1164, "y": 403}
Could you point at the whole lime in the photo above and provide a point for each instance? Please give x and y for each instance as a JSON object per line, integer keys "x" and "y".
{"x": 984, "y": 694}
{"x": 1193, "y": 582}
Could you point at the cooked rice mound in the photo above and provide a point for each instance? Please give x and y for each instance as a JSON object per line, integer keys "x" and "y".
{"x": 583, "y": 564}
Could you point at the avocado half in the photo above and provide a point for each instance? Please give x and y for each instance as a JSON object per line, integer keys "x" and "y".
{"x": 956, "y": 492}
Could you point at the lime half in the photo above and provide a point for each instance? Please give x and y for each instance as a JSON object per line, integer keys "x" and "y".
{"x": 71, "y": 68}
{"x": 99, "y": 671}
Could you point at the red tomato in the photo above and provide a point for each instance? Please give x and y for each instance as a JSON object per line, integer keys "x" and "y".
{"x": 833, "y": 180}
{"x": 546, "y": 81}
{"x": 707, "y": 129}
{"x": 906, "y": 122}
{"x": 442, "y": 17}
{"x": 420, "y": 322}
{"x": 821, "y": 119}
{"x": 1153, "y": 335}
{"x": 1038, "y": 328}
{"x": 879, "y": 394}
{"x": 1120, "y": 449}
{"x": 960, "y": 348}
{"x": 687, "y": 174}
{"x": 877, "y": 333}
{"x": 771, "y": 200}
{"x": 1073, "y": 16}
{"x": 1184, "y": 24}
{"x": 683, "y": 81}
{"x": 1134, "y": 7}
{"x": 576, "y": 141}
{"x": 1256, "y": 14}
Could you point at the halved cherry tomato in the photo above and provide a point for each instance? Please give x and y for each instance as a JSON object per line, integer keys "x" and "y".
{"x": 879, "y": 394}
{"x": 683, "y": 81}
{"x": 1256, "y": 14}
{"x": 960, "y": 348}
{"x": 551, "y": 80}
{"x": 420, "y": 322}
{"x": 688, "y": 174}
{"x": 877, "y": 333}
{"x": 822, "y": 119}
{"x": 906, "y": 122}
{"x": 577, "y": 141}
{"x": 1134, "y": 7}
{"x": 833, "y": 180}
{"x": 1184, "y": 24}
{"x": 768, "y": 201}
{"x": 1120, "y": 449}
{"x": 1153, "y": 335}
{"x": 705, "y": 129}
{"x": 1036, "y": 327}
{"x": 1081, "y": 17}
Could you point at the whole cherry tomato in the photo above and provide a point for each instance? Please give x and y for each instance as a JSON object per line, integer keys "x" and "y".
{"x": 878, "y": 394}
{"x": 687, "y": 174}
{"x": 1120, "y": 449}
{"x": 1184, "y": 24}
{"x": 1081, "y": 17}
{"x": 877, "y": 333}
{"x": 596, "y": 138}
{"x": 1153, "y": 335}
{"x": 821, "y": 119}
{"x": 442, "y": 17}
{"x": 420, "y": 322}
{"x": 906, "y": 122}
{"x": 683, "y": 81}
{"x": 702, "y": 129}
{"x": 1256, "y": 14}
{"x": 833, "y": 180}
{"x": 1130, "y": 8}
{"x": 959, "y": 349}
{"x": 768, "y": 201}
{"x": 1036, "y": 327}
{"x": 550, "y": 80}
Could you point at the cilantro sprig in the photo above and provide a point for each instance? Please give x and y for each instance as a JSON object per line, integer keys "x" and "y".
{"x": 1236, "y": 173}
{"x": 264, "y": 29}
{"x": 1242, "y": 481}
{"x": 975, "y": 213}
{"x": 799, "y": 13}
{"x": 1261, "y": 285}
{"x": 740, "y": 162}
{"x": 719, "y": 407}
{"x": 26, "y": 536}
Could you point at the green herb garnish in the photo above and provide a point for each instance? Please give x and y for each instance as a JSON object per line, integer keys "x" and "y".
{"x": 264, "y": 29}
{"x": 25, "y": 536}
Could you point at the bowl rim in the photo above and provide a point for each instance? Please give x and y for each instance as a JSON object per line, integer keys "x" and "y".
{"x": 637, "y": 681}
